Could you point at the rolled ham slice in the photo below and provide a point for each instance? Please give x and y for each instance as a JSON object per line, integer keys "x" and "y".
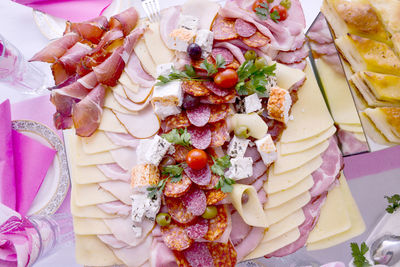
{"x": 91, "y": 30}
{"x": 72, "y": 57}
{"x": 115, "y": 208}
{"x": 122, "y": 139}
{"x": 111, "y": 69}
{"x": 114, "y": 172}
{"x": 125, "y": 20}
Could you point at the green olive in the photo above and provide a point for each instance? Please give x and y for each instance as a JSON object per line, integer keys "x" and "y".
{"x": 163, "y": 219}
{"x": 211, "y": 212}
{"x": 286, "y": 4}
{"x": 242, "y": 132}
{"x": 250, "y": 55}
{"x": 260, "y": 62}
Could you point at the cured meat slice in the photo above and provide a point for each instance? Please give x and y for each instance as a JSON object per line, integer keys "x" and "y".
{"x": 89, "y": 81}
{"x": 62, "y": 121}
{"x": 198, "y": 255}
{"x": 296, "y": 56}
{"x": 256, "y": 40}
{"x": 140, "y": 97}
{"x": 120, "y": 189}
{"x": 224, "y": 29}
{"x": 244, "y": 29}
{"x": 324, "y": 49}
{"x": 135, "y": 71}
{"x": 56, "y": 48}
{"x": 122, "y": 139}
{"x": 200, "y": 177}
{"x": 213, "y": 182}
{"x": 176, "y": 121}
{"x": 236, "y": 51}
{"x": 87, "y": 113}
{"x": 253, "y": 153}
{"x": 114, "y": 172}
{"x": 179, "y": 188}
{"x": 161, "y": 255}
{"x": 250, "y": 242}
{"x": 140, "y": 251}
{"x": 74, "y": 90}
{"x": 175, "y": 237}
{"x": 350, "y": 144}
{"x": 195, "y": 201}
{"x": 214, "y": 196}
{"x": 125, "y": 20}
{"x": 91, "y": 30}
{"x": 195, "y": 88}
{"x": 217, "y": 225}
{"x": 197, "y": 230}
{"x": 225, "y": 53}
{"x": 72, "y": 57}
{"x": 108, "y": 40}
{"x": 219, "y": 112}
{"x": 215, "y": 99}
{"x": 180, "y": 153}
{"x": 115, "y": 208}
{"x": 215, "y": 89}
{"x": 60, "y": 74}
{"x": 223, "y": 254}
{"x": 111, "y": 69}
{"x": 301, "y": 65}
{"x": 240, "y": 229}
{"x": 128, "y": 104}
{"x": 199, "y": 116}
{"x": 219, "y": 133}
{"x": 200, "y": 137}
{"x": 169, "y": 22}
{"x": 131, "y": 40}
{"x": 111, "y": 241}
{"x": 178, "y": 211}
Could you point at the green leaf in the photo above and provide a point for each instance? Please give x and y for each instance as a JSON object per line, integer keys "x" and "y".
{"x": 394, "y": 201}
{"x": 178, "y": 137}
{"x": 225, "y": 184}
{"x": 275, "y": 16}
{"x": 220, "y": 165}
{"x": 190, "y": 70}
{"x": 172, "y": 170}
{"x": 210, "y": 68}
{"x": 220, "y": 62}
{"x": 359, "y": 259}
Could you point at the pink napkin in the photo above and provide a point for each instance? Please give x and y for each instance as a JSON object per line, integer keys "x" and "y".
{"x": 72, "y": 10}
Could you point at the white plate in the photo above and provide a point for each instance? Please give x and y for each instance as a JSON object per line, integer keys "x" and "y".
{"x": 55, "y": 185}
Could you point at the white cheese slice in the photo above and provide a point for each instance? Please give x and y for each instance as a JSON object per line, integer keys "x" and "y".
{"x": 155, "y": 45}
{"x": 286, "y": 76}
{"x": 110, "y": 123}
{"x": 275, "y": 244}
{"x": 91, "y": 251}
{"x": 276, "y": 214}
{"x": 310, "y": 114}
{"x": 286, "y": 225}
{"x": 90, "y": 226}
{"x": 111, "y": 103}
{"x": 293, "y": 161}
{"x": 91, "y": 194}
{"x": 145, "y": 58}
{"x": 98, "y": 142}
{"x": 354, "y": 128}
{"x": 206, "y": 11}
{"x": 296, "y": 147}
{"x": 286, "y": 195}
{"x": 357, "y": 222}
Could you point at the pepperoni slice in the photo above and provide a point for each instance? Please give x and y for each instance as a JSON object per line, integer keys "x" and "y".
{"x": 197, "y": 63}
{"x": 214, "y": 196}
{"x": 180, "y": 259}
{"x": 224, "y": 29}
{"x": 180, "y": 153}
{"x": 222, "y": 254}
{"x": 200, "y": 115}
{"x": 176, "y": 121}
{"x": 219, "y": 112}
{"x": 177, "y": 189}
{"x": 195, "y": 201}
{"x": 225, "y": 53}
{"x": 200, "y": 136}
{"x": 200, "y": 177}
{"x": 175, "y": 237}
{"x": 219, "y": 133}
{"x": 215, "y": 89}
{"x": 215, "y": 99}
{"x": 244, "y": 28}
{"x": 197, "y": 230}
{"x": 213, "y": 182}
{"x": 198, "y": 255}
{"x": 217, "y": 225}
{"x": 178, "y": 211}
{"x": 195, "y": 88}
{"x": 256, "y": 40}
{"x": 234, "y": 65}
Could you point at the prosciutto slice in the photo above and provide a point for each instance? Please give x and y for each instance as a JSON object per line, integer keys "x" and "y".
{"x": 111, "y": 69}
{"x": 250, "y": 242}
{"x": 115, "y": 208}
{"x": 89, "y": 81}
{"x": 87, "y": 113}
{"x": 56, "y": 48}
{"x": 125, "y": 20}
{"x": 169, "y": 22}
{"x": 135, "y": 71}
{"x": 60, "y": 74}
{"x": 91, "y": 30}
{"x": 108, "y": 38}
{"x": 72, "y": 57}
{"x": 130, "y": 41}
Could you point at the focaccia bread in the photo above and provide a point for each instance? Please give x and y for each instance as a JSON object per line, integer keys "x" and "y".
{"x": 386, "y": 121}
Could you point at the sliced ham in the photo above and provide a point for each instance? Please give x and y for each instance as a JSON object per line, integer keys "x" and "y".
{"x": 91, "y": 30}
{"x": 114, "y": 172}
{"x": 236, "y": 51}
{"x": 262, "y": 196}
{"x": 136, "y": 72}
{"x": 89, "y": 81}
{"x": 125, "y": 20}
{"x": 240, "y": 229}
{"x": 115, "y": 208}
{"x": 70, "y": 80}
{"x": 122, "y": 139}
{"x": 250, "y": 242}
{"x": 111, "y": 241}
{"x": 296, "y": 56}
{"x": 301, "y": 65}
{"x": 87, "y": 113}
{"x": 319, "y": 31}
{"x": 72, "y": 57}
{"x": 74, "y": 90}
{"x": 169, "y": 22}
{"x": 141, "y": 96}
{"x": 111, "y": 69}
{"x": 161, "y": 255}
{"x": 258, "y": 184}
{"x": 56, "y": 48}
{"x": 296, "y": 21}
{"x": 128, "y": 104}
{"x": 324, "y": 49}
{"x": 135, "y": 256}
{"x": 350, "y": 144}
{"x": 130, "y": 41}
{"x": 253, "y": 153}
{"x": 125, "y": 157}
{"x": 120, "y": 189}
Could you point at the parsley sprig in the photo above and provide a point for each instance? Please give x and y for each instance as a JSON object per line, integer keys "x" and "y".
{"x": 252, "y": 78}
{"x": 263, "y": 12}
{"x": 153, "y": 191}
{"x": 358, "y": 254}
{"x": 178, "y": 137}
{"x": 395, "y": 203}
{"x": 211, "y": 68}
{"x": 174, "y": 172}
{"x": 219, "y": 167}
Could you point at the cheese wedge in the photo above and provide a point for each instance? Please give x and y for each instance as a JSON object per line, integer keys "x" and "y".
{"x": 110, "y": 123}
{"x": 284, "y": 226}
{"x": 145, "y": 58}
{"x": 90, "y": 226}
{"x": 310, "y": 114}
{"x": 90, "y": 251}
{"x": 286, "y": 76}
{"x": 91, "y": 194}
{"x": 155, "y": 45}
{"x": 354, "y": 128}
{"x": 98, "y": 142}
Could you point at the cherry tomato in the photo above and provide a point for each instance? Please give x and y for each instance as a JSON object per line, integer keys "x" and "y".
{"x": 227, "y": 78}
{"x": 258, "y": 3}
{"x": 196, "y": 159}
{"x": 282, "y": 11}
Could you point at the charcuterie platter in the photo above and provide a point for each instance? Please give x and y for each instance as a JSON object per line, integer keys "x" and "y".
{"x": 201, "y": 139}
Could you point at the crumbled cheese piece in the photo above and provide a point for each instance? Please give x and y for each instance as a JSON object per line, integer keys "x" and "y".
{"x": 143, "y": 206}
{"x": 267, "y": 149}
{"x": 205, "y": 39}
{"x": 240, "y": 168}
{"x": 164, "y": 69}
{"x": 237, "y": 147}
{"x": 167, "y": 99}
{"x": 181, "y": 38}
{"x": 189, "y": 22}
{"x": 171, "y": 150}
{"x": 279, "y": 104}
{"x": 137, "y": 230}
{"x": 143, "y": 176}
{"x": 252, "y": 103}
{"x": 152, "y": 150}
{"x": 271, "y": 82}
{"x": 164, "y": 110}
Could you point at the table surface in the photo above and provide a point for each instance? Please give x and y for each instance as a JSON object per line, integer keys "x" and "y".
{"x": 18, "y": 27}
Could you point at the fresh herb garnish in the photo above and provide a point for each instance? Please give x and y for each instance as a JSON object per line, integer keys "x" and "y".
{"x": 263, "y": 12}
{"x": 225, "y": 184}
{"x": 219, "y": 167}
{"x": 178, "y": 137}
{"x": 252, "y": 78}
{"x": 188, "y": 74}
{"x": 211, "y": 68}
{"x": 394, "y": 201}
{"x": 174, "y": 172}
{"x": 275, "y": 16}
{"x": 358, "y": 254}
{"x": 155, "y": 190}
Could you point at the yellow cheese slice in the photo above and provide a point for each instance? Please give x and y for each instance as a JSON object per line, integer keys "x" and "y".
{"x": 310, "y": 114}
{"x": 279, "y": 182}
{"x": 90, "y": 226}
{"x": 111, "y": 103}
{"x": 276, "y": 199}
{"x": 338, "y": 94}
{"x": 354, "y": 128}
{"x": 83, "y": 159}
{"x": 357, "y": 222}
{"x": 145, "y": 58}
{"x": 155, "y": 45}
{"x": 98, "y": 142}
{"x": 286, "y": 225}
{"x": 275, "y": 244}
{"x": 110, "y": 123}
{"x": 126, "y": 82}
{"x": 360, "y": 137}
{"x": 334, "y": 218}
{"x": 87, "y": 174}
{"x": 204, "y": 10}
{"x": 89, "y": 211}
{"x": 91, "y": 194}
{"x": 252, "y": 211}
{"x": 293, "y": 161}
{"x": 291, "y": 148}
{"x": 286, "y": 76}
{"x": 90, "y": 251}
{"x": 276, "y": 214}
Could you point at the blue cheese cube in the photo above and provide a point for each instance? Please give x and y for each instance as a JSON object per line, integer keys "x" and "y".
{"x": 143, "y": 206}
{"x": 181, "y": 38}
{"x": 241, "y": 168}
{"x": 164, "y": 69}
{"x": 252, "y": 103}
{"x": 279, "y": 103}
{"x": 267, "y": 149}
{"x": 167, "y": 99}
{"x": 205, "y": 39}
{"x": 237, "y": 147}
{"x": 151, "y": 151}
{"x": 189, "y": 22}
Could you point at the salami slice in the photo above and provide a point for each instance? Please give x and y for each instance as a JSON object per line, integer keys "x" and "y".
{"x": 178, "y": 211}
{"x": 180, "y": 153}
{"x": 215, "y": 89}
{"x": 176, "y": 121}
{"x": 222, "y": 254}
{"x": 200, "y": 115}
{"x": 180, "y": 259}
{"x": 234, "y": 65}
{"x": 219, "y": 133}
{"x": 197, "y": 230}
{"x": 215, "y": 99}
{"x": 175, "y": 237}
{"x": 213, "y": 182}
{"x": 198, "y": 255}
{"x": 200, "y": 136}
{"x": 225, "y": 53}
{"x": 214, "y": 196}
{"x": 200, "y": 177}
{"x": 217, "y": 225}
{"x": 195, "y": 88}
{"x": 244, "y": 29}
{"x": 195, "y": 201}
{"x": 256, "y": 40}
{"x": 224, "y": 29}
{"x": 197, "y": 63}
{"x": 177, "y": 189}
{"x": 219, "y": 112}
